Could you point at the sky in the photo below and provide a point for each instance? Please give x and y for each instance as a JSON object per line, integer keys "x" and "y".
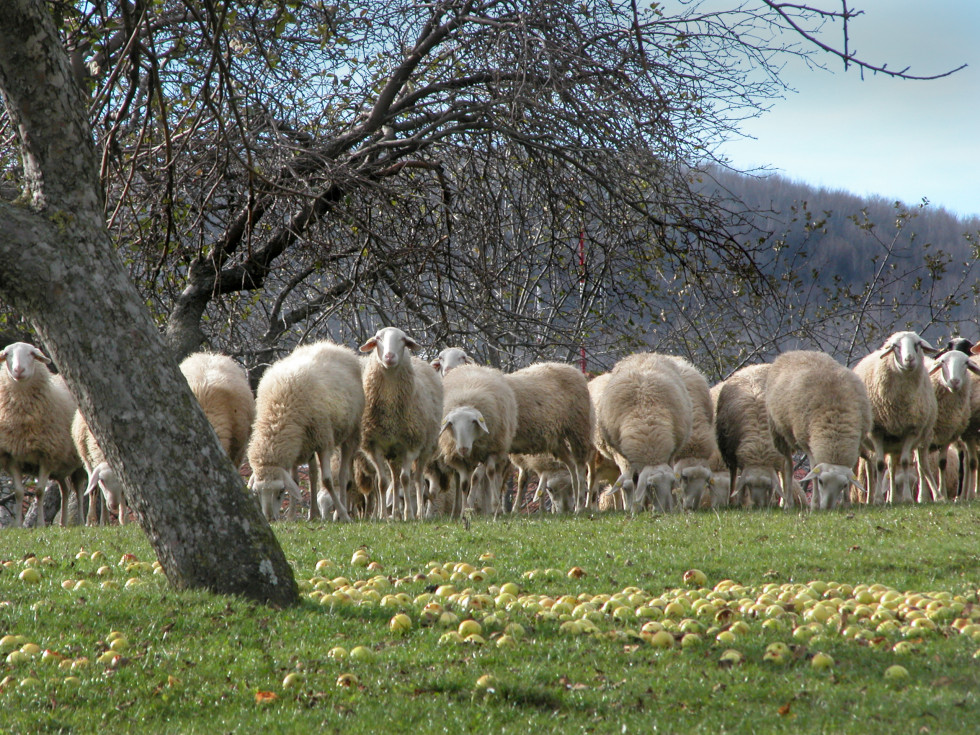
{"x": 903, "y": 140}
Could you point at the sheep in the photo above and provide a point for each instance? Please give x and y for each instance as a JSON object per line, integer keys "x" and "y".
{"x": 692, "y": 461}
{"x": 100, "y": 474}
{"x": 307, "y": 405}
{"x": 644, "y": 416}
{"x": 554, "y": 416}
{"x": 221, "y": 387}
{"x": 816, "y": 405}
{"x": 545, "y": 467}
{"x": 449, "y": 358}
{"x": 744, "y": 439}
{"x": 402, "y": 412}
{"x": 903, "y": 403}
{"x": 953, "y": 389}
{"x": 36, "y": 411}
{"x": 478, "y": 424}
{"x": 970, "y": 439}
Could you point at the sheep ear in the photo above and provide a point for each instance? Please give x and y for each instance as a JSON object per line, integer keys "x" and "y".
{"x": 369, "y": 345}
{"x": 975, "y": 349}
{"x": 38, "y": 355}
{"x": 412, "y": 344}
{"x": 854, "y": 481}
{"x": 972, "y": 367}
{"x": 445, "y": 424}
{"x": 888, "y": 349}
{"x": 928, "y": 348}
{"x": 292, "y": 487}
{"x": 481, "y": 422}
{"x": 936, "y": 367}
{"x": 251, "y": 482}
{"x": 436, "y": 364}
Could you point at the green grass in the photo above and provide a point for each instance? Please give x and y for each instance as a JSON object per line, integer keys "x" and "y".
{"x": 195, "y": 662}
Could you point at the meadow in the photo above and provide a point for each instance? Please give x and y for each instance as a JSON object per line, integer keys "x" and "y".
{"x": 578, "y": 624}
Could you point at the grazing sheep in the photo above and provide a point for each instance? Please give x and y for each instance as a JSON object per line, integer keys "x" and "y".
{"x": 308, "y": 404}
{"x": 402, "y": 413}
{"x": 953, "y": 388}
{"x": 818, "y": 406}
{"x": 100, "y": 474}
{"x": 644, "y": 417}
{"x": 544, "y": 467}
{"x": 478, "y": 424}
{"x": 970, "y": 439}
{"x": 554, "y": 416}
{"x": 221, "y": 387}
{"x": 449, "y": 358}
{"x": 36, "y": 411}
{"x": 744, "y": 439}
{"x": 903, "y": 403}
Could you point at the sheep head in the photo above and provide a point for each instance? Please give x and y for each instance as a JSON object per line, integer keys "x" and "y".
{"x": 907, "y": 350}
{"x": 389, "y": 345}
{"x": 20, "y": 358}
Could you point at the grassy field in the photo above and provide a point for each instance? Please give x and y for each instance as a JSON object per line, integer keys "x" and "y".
{"x": 194, "y": 663}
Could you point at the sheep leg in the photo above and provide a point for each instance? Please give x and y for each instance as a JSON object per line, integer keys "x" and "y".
{"x": 522, "y": 480}
{"x": 327, "y": 489}
{"x": 970, "y": 472}
{"x": 787, "y": 489}
{"x": 18, "y": 479}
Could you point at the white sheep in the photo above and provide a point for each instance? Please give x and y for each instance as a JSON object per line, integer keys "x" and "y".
{"x": 222, "y": 390}
{"x": 449, "y": 358}
{"x": 221, "y": 387}
{"x": 692, "y": 462}
{"x": 817, "y": 406}
{"x": 554, "y": 416}
{"x": 644, "y": 417}
{"x": 478, "y": 424}
{"x": 402, "y": 413}
{"x": 308, "y": 404}
{"x": 36, "y": 411}
{"x": 744, "y": 439}
{"x": 953, "y": 388}
{"x": 970, "y": 439}
{"x": 903, "y": 404}
{"x": 100, "y": 474}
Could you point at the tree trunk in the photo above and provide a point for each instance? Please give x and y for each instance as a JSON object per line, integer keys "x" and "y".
{"x": 58, "y": 267}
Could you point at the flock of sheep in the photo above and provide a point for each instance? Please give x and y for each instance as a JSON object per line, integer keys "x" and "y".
{"x": 387, "y": 434}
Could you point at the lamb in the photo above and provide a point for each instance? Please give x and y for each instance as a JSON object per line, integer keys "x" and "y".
{"x": 554, "y": 416}
{"x": 221, "y": 387}
{"x": 308, "y": 404}
{"x": 816, "y": 405}
{"x": 449, "y": 358}
{"x": 953, "y": 389}
{"x": 644, "y": 418}
{"x": 478, "y": 424}
{"x": 402, "y": 412}
{"x": 36, "y": 410}
{"x": 744, "y": 439}
{"x": 903, "y": 403}
{"x": 545, "y": 467}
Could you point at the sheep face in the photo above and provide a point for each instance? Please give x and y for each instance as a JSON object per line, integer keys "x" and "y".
{"x": 907, "y": 350}
{"x": 467, "y": 425}
{"x": 954, "y": 366}
{"x": 449, "y": 358}
{"x": 389, "y": 345}
{"x": 268, "y": 485}
{"x": 20, "y": 359}
{"x": 758, "y": 487}
{"x": 693, "y": 486}
{"x": 831, "y": 482}
{"x": 659, "y": 482}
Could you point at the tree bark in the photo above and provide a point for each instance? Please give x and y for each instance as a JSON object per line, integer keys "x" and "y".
{"x": 58, "y": 267}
